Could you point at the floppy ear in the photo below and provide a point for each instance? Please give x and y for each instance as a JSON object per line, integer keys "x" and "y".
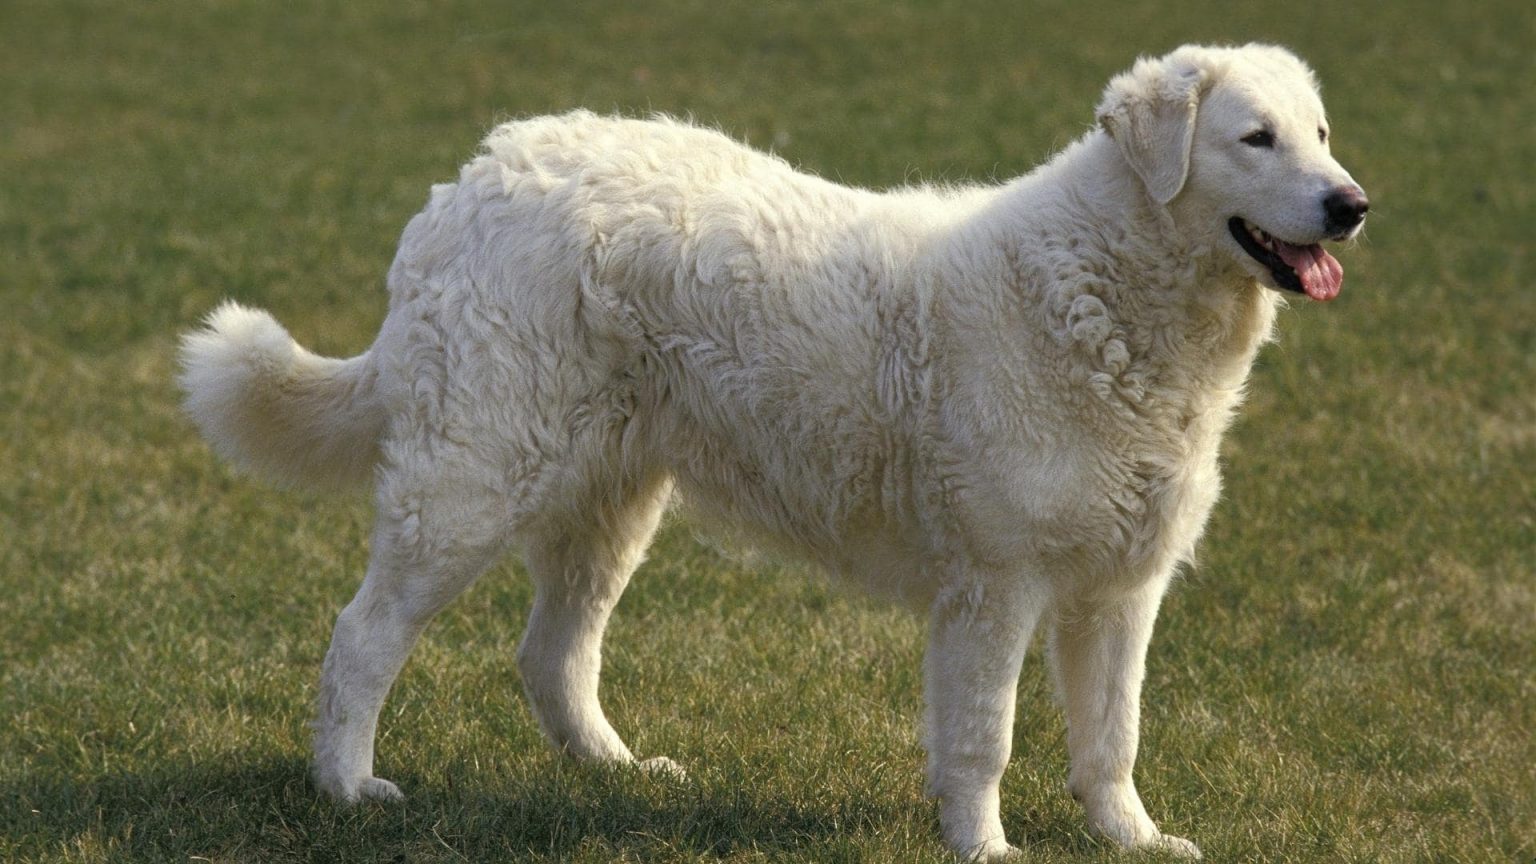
{"x": 1150, "y": 113}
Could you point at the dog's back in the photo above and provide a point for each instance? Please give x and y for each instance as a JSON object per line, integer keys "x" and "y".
{"x": 759, "y": 334}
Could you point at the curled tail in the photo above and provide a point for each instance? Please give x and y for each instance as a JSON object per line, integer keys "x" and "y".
{"x": 273, "y": 408}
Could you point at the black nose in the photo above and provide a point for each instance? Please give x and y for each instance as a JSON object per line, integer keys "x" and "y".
{"x": 1345, "y": 208}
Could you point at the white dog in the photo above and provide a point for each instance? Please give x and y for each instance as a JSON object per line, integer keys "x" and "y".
{"x": 1000, "y": 405}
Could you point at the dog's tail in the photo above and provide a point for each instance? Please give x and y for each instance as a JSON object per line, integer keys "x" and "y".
{"x": 275, "y": 409}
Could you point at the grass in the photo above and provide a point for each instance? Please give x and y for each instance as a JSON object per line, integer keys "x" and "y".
{"x": 1346, "y": 677}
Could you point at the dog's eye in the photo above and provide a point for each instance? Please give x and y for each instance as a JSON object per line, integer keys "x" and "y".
{"x": 1322, "y": 134}
{"x": 1261, "y": 138}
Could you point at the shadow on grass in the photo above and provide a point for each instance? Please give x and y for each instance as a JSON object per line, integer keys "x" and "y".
{"x": 267, "y": 811}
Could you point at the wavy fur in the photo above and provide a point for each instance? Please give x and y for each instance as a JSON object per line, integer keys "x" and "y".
{"x": 275, "y": 409}
{"x": 1000, "y": 405}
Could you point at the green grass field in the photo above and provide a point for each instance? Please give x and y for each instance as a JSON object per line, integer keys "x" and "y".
{"x": 1349, "y": 675}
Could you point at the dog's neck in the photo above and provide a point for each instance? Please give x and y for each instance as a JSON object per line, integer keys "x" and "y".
{"x": 1192, "y": 322}
{"x": 1199, "y": 300}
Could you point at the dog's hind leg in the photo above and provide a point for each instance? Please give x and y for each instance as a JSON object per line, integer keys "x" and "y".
{"x": 432, "y": 538}
{"x": 580, "y": 564}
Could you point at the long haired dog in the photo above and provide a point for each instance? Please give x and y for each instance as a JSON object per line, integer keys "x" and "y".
{"x": 999, "y": 405}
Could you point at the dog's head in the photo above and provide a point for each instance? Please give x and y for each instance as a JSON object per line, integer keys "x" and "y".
{"x": 1234, "y": 141}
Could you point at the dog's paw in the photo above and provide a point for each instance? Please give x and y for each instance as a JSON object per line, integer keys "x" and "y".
{"x": 1177, "y": 846}
{"x": 994, "y": 851}
{"x": 661, "y": 766}
{"x": 379, "y": 789}
{"x": 357, "y": 791}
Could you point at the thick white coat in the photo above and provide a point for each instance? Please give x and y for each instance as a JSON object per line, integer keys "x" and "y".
{"x": 1002, "y": 405}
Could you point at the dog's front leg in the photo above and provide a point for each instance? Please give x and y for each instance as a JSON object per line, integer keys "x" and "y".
{"x": 1098, "y": 654}
{"x": 976, "y": 644}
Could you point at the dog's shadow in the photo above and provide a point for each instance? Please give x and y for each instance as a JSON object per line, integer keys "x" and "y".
{"x": 266, "y": 810}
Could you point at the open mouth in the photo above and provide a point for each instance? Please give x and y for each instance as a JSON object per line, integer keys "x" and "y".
{"x": 1308, "y": 270}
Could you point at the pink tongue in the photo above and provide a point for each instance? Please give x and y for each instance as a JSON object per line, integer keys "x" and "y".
{"x": 1321, "y": 274}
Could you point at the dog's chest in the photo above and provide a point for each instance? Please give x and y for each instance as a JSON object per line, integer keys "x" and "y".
{"x": 1147, "y": 409}
{"x": 1131, "y": 516}
{"x": 1109, "y": 486}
